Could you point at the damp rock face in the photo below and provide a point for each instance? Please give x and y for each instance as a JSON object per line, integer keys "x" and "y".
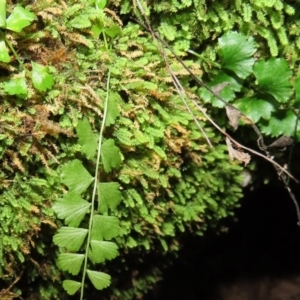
{"x": 258, "y": 258}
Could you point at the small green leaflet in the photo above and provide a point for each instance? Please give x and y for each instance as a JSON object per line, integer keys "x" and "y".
{"x": 99, "y": 280}
{"x": 273, "y": 78}
{"x": 87, "y": 138}
{"x": 71, "y": 286}
{"x": 110, "y": 155}
{"x": 19, "y": 18}
{"x": 4, "y": 55}
{"x": 16, "y": 86}
{"x": 236, "y": 52}
{"x": 41, "y": 79}
{"x": 109, "y": 196}
{"x": 113, "y": 110}
{"x": 102, "y": 250}
{"x": 105, "y": 227}
{"x": 76, "y": 177}
{"x": 70, "y": 262}
{"x": 72, "y": 208}
{"x": 255, "y": 108}
{"x": 70, "y": 238}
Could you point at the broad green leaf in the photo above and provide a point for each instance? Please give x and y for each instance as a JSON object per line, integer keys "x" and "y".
{"x": 99, "y": 280}
{"x": 16, "y": 86}
{"x": 105, "y": 227}
{"x": 297, "y": 89}
{"x": 113, "y": 110}
{"x": 71, "y": 286}
{"x": 2, "y": 13}
{"x": 102, "y": 250}
{"x": 87, "y": 138}
{"x": 76, "y": 177}
{"x": 72, "y": 208}
{"x": 255, "y": 108}
{"x": 236, "y": 52}
{"x": 70, "y": 262}
{"x": 110, "y": 155}
{"x": 109, "y": 196}
{"x": 273, "y": 78}
{"x": 283, "y": 122}
{"x": 41, "y": 79}
{"x": 70, "y": 238}
{"x": 19, "y": 18}
{"x": 4, "y": 55}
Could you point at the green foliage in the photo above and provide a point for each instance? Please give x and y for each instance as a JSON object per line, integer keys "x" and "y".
{"x": 267, "y": 101}
{"x": 157, "y": 178}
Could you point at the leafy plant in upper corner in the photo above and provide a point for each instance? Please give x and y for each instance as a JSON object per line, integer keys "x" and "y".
{"x": 266, "y": 95}
{"x": 41, "y": 79}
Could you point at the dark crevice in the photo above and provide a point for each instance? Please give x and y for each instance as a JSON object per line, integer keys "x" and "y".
{"x": 259, "y": 256}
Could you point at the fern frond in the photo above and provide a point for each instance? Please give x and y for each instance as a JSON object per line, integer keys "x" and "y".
{"x": 282, "y": 36}
{"x": 78, "y": 38}
{"x": 16, "y": 161}
{"x": 261, "y": 16}
{"x": 276, "y": 18}
{"x": 247, "y": 12}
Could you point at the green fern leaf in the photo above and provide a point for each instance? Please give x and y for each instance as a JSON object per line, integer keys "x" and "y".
{"x": 87, "y": 139}
{"x": 99, "y": 280}
{"x": 105, "y": 227}
{"x": 71, "y": 286}
{"x": 72, "y": 208}
{"x": 70, "y": 238}
{"x": 113, "y": 110}
{"x": 76, "y": 177}
{"x": 109, "y": 196}
{"x": 110, "y": 155}
{"x": 70, "y": 262}
{"x": 102, "y": 250}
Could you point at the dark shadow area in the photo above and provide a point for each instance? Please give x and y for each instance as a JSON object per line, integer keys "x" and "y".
{"x": 260, "y": 251}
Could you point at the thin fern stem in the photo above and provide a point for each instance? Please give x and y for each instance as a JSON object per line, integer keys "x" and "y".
{"x": 95, "y": 184}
